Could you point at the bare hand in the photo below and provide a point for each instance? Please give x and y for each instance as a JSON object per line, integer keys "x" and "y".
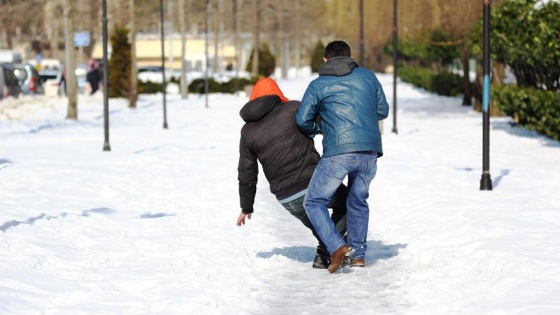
{"x": 241, "y": 218}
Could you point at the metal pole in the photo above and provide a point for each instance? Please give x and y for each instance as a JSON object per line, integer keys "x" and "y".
{"x": 361, "y": 33}
{"x": 486, "y": 180}
{"x": 106, "y": 145}
{"x": 395, "y": 70}
{"x": 163, "y": 84}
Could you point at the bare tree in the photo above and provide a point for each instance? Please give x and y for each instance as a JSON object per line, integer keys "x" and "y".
{"x": 183, "y": 31}
{"x": 20, "y": 22}
{"x": 133, "y": 68}
{"x": 71, "y": 86}
{"x": 256, "y": 38}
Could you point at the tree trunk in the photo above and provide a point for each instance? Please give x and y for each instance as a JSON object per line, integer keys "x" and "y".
{"x": 298, "y": 37}
{"x": 283, "y": 42}
{"x": 133, "y": 96}
{"x": 170, "y": 31}
{"x": 216, "y": 27}
{"x": 256, "y": 36}
{"x": 182, "y": 29}
{"x": 467, "y": 98}
{"x": 70, "y": 66}
{"x": 498, "y": 75}
{"x": 238, "y": 51}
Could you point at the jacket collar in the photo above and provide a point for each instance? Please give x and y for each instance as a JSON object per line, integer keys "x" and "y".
{"x": 338, "y": 66}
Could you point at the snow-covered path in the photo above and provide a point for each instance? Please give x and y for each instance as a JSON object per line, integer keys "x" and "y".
{"x": 149, "y": 228}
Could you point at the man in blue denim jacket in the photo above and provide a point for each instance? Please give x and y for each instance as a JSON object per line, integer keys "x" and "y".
{"x": 350, "y": 101}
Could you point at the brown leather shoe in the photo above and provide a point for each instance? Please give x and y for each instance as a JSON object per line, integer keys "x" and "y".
{"x": 359, "y": 262}
{"x": 338, "y": 257}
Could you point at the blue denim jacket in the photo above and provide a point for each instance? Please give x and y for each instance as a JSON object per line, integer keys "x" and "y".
{"x": 350, "y": 101}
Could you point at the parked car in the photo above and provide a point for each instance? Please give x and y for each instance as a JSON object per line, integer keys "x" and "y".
{"x": 49, "y": 69}
{"x": 9, "y": 56}
{"x": 9, "y": 85}
{"x": 29, "y": 79}
{"x": 149, "y": 69}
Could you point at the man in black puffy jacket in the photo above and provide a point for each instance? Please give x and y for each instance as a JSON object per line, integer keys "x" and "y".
{"x": 288, "y": 158}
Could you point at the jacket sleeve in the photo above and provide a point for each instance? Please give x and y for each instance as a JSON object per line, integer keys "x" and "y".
{"x": 382, "y": 105}
{"x": 247, "y": 174}
{"x": 307, "y": 111}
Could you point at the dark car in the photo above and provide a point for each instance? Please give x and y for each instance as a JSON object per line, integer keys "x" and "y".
{"x": 148, "y": 69}
{"x": 9, "y": 85}
{"x": 29, "y": 79}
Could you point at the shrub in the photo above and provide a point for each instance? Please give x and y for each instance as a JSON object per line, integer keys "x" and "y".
{"x": 267, "y": 61}
{"x": 197, "y": 86}
{"x": 317, "y": 56}
{"x": 442, "y": 83}
{"x": 448, "y": 84}
{"x": 149, "y": 87}
{"x": 120, "y": 64}
{"x": 532, "y": 108}
{"x": 235, "y": 85}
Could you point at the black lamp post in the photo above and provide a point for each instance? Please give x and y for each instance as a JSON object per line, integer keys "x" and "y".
{"x": 163, "y": 85}
{"x": 106, "y": 145}
{"x": 395, "y": 48}
{"x": 486, "y": 180}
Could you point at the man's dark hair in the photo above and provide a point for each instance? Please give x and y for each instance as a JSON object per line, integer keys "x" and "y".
{"x": 337, "y": 48}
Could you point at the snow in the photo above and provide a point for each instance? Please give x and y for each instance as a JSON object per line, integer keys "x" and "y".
{"x": 149, "y": 227}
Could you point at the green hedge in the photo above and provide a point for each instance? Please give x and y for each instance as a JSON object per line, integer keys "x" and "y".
{"x": 442, "y": 83}
{"x": 533, "y": 109}
{"x": 197, "y": 86}
{"x": 148, "y": 87}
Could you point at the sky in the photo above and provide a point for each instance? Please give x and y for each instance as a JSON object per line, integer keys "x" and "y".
{"x": 149, "y": 226}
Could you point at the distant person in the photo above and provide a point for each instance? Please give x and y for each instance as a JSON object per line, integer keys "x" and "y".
{"x": 93, "y": 75}
{"x": 350, "y": 101}
{"x": 288, "y": 158}
{"x": 61, "y": 81}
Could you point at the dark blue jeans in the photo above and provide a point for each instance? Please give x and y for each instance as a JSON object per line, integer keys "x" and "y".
{"x": 338, "y": 217}
{"x": 330, "y": 172}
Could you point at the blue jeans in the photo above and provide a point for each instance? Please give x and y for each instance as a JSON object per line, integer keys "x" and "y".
{"x": 360, "y": 168}
{"x": 338, "y": 217}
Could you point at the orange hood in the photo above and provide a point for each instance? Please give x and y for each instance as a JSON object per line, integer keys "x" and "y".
{"x": 266, "y": 86}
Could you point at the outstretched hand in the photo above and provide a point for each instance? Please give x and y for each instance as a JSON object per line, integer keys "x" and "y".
{"x": 241, "y": 218}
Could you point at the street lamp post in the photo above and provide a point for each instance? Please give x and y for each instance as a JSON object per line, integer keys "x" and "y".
{"x": 486, "y": 180}
{"x": 163, "y": 85}
{"x": 106, "y": 145}
{"x": 395, "y": 46}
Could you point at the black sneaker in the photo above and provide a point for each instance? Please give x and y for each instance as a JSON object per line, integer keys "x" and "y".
{"x": 322, "y": 259}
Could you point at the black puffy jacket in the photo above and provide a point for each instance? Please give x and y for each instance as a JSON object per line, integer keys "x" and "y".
{"x": 270, "y": 135}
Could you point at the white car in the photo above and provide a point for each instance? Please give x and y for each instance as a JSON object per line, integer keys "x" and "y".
{"x": 53, "y": 86}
